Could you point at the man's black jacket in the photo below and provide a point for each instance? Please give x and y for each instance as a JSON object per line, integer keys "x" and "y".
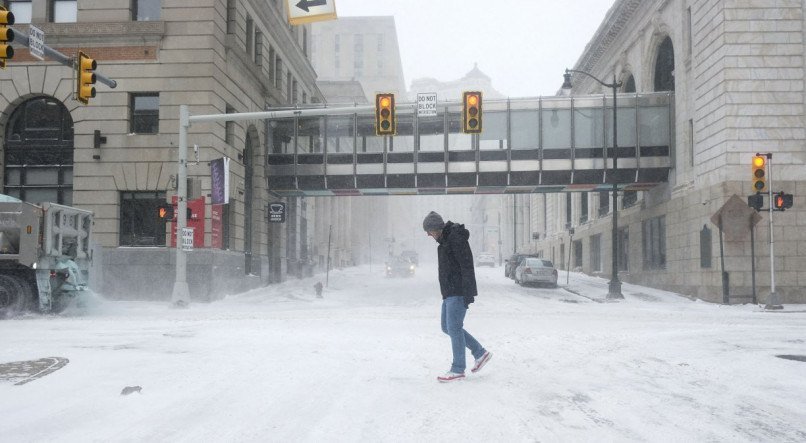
{"x": 456, "y": 274}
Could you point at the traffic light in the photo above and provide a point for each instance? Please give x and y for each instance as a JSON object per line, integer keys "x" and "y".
{"x": 385, "y": 123}
{"x": 759, "y": 173}
{"x": 6, "y": 36}
{"x": 471, "y": 112}
{"x": 165, "y": 212}
{"x": 85, "y": 78}
{"x": 782, "y": 201}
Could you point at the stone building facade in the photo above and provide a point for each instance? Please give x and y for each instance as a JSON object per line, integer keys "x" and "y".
{"x": 736, "y": 70}
{"x": 117, "y": 156}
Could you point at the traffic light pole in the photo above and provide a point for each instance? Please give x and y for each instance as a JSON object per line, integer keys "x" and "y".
{"x": 181, "y": 294}
{"x": 772, "y": 301}
{"x": 70, "y": 62}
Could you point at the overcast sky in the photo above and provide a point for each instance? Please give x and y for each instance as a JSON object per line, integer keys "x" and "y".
{"x": 523, "y": 45}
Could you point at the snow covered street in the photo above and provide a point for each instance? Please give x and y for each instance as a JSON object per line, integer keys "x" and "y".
{"x": 360, "y": 364}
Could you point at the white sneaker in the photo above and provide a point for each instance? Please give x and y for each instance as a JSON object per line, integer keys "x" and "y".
{"x": 451, "y": 376}
{"x": 481, "y": 361}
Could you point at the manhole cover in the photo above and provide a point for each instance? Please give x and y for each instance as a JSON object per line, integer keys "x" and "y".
{"x": 793, "y": 357}
{"x": 21, "y": 372}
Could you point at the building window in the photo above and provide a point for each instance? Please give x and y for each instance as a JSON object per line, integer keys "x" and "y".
{"x": 654, "y": 243}
{"x": 337, "y": 43}
{"x": 304, "y": 98}
{"x": 258, "y": 48}
{"x": 145, "y": 113}
{"x": 146, "y": 10}
{"x": 21, "y": 9}
{"x": 294, "y": 92}
{"x": 629, "y": 84}
{"x": 278, "y": 73}
{"x": 568, "y": 210}
{"x": 231, "y": 14}
{"x": 578, "y": 254}
{"x": 288, "y": 85}
{"x": 271, "y": 65}
{"x": 596, "y": 253}
{"x": 705, "y": 247}
{"x": 664, "y": 66}
{"x": 305, "y": 41}
{"x": 250, "y": 25}
{"x": 63, "y": 11}
{"x": 629, "y": 199}
{"x": 229, "y": 128}
{"x": 583, "y": 211}
{"x": 139, "y": 224}
{"x": 38, "y": 154}
{"x": 604, "y": 203}
{"x": 380, "y": 43}
{"x": 623, "y": 249}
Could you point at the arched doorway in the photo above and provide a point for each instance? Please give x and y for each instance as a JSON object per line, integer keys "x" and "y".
{"x": 664, "y": 66}
{"x": 38, "y": 152}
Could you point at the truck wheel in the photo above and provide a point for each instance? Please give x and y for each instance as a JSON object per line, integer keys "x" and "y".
{"x": 13, "y": 297}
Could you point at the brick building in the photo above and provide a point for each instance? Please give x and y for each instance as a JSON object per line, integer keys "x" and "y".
{"x": 736, "y": 70}
{"x": 217, "y": 56}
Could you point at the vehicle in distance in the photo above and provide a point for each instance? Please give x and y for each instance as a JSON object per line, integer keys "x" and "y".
{"x": 485, "y": 259}
{"x": 533, "y": 270}
{"x": 411, "y": 256}
{"x": 399, "y": 267}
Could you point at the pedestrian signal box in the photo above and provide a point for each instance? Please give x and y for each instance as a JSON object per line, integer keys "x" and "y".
{"x": 165, "y": 212}
{"x": 782, "y": 201}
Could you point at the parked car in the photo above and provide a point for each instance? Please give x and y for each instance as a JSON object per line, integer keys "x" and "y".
{"x": 399, "y": 267}
{"x": 485, "y": 259}
{"x": 512, "y": 263}
{"x": 536, "y": 270}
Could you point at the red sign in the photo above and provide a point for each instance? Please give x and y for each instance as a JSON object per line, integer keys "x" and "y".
{"x": 195, "y": 220}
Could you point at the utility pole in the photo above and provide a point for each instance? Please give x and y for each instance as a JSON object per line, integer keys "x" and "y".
{"x": 772, "y": 301}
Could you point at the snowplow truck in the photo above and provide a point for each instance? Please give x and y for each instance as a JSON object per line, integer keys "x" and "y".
{"x": 45, "y": 255}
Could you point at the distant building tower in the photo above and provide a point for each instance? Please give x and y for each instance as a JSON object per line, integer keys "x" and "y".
{"x": 362, "y": 49}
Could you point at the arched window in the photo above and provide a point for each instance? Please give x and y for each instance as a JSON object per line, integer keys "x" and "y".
{"x": 629, "y": 84}
{"x": 664, "y": 66}
{"x": 38, "y": 152}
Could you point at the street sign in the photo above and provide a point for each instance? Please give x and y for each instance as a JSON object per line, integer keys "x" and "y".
{"x": 307, "y": 11}
{"x": 36, "y": 42}
{"x": 277, "y": 212}
{"x": 187, "y": 239}
{"x": 427, "y": 104}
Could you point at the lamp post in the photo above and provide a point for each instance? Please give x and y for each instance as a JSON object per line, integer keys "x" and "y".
{"x": 614, "y": 286}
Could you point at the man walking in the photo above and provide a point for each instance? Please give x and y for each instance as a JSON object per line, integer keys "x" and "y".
{"x": 457, "y": 282}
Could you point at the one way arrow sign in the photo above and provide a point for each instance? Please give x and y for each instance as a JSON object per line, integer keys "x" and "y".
{"x": 307, "y": 11}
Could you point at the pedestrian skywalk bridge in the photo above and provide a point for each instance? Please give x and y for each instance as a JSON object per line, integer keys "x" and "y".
{"x": 547, "y": 144}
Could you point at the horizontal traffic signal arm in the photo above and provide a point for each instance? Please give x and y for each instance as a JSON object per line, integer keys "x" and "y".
{"x": 21, "y": 39}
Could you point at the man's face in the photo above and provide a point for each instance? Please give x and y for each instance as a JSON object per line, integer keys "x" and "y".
{"x": 434, "y": 234}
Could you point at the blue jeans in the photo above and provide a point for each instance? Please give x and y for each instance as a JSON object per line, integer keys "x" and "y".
{"x": 453, "y": 318}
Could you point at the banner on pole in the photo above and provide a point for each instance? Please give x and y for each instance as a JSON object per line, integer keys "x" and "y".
{"x": 219, "y": 172}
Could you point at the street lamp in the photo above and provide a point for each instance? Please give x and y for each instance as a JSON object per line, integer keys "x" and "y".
{"x": 614, "y": 287}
